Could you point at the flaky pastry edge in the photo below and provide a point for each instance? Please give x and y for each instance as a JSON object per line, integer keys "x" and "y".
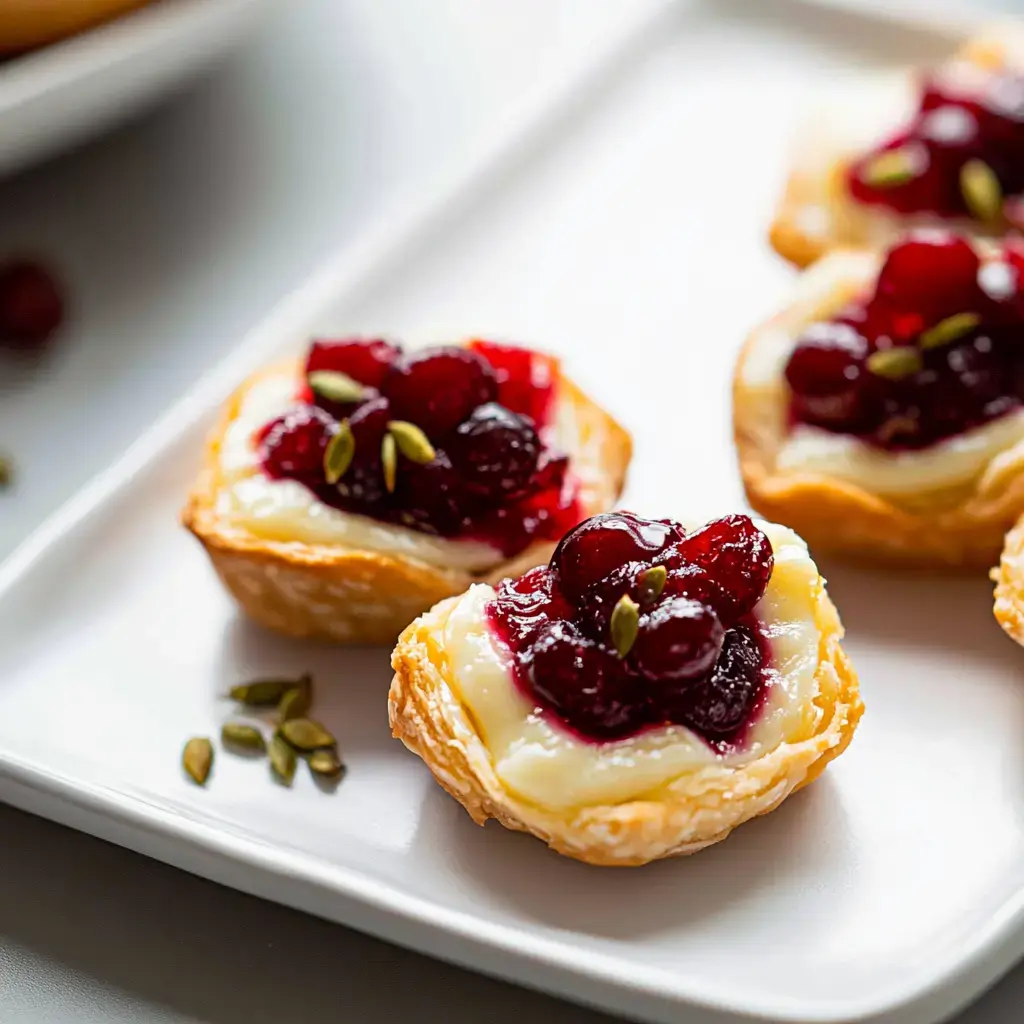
{"x": 693, "y": 811}
{"x": 353, "y": 596}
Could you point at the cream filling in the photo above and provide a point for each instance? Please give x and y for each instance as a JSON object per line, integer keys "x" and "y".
{"x": 948, "y": 465}
{"x": 284, "y": 510}
{"x": 542, "y": 763}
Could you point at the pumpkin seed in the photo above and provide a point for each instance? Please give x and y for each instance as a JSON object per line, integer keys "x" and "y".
{"x": 412, "y": 442}
{"x": 624, "y": 625}
{"x": 247, "y": 737}
{"x": 338, "y": 454}
{"x": 326, "y": 763}
{"x": 261, "y": 692}
{"x": 948, "y": 330}
{"x": 892, "y": 168}
{"x": 197, "y": 759}
{"x": 283, "y": 759}
{"x": 651, "y": 583}
{"x": 305, "y": 734}
{"x": 895, "y": 363}
{"x": 336, "y": 387}
{"x": 297, "y": 701}
{"x": 981, "y": 190}
{"x": 389, "y": 460}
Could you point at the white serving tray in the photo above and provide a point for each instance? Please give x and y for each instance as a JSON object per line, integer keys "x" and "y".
{"x": 621, "y": 222}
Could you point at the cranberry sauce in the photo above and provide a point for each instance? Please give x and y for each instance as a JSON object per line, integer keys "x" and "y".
{"x": 962, "y": 155}
{"x": 635, "y": 623}
{"x": 450, "y": 441}
{"x": 934, "y": 351}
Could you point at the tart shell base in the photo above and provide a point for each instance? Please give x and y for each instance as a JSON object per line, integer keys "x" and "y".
{"x": 348, "y": 595}
{"x": 1008, "y": 577}
{"x": 682, "y": 817}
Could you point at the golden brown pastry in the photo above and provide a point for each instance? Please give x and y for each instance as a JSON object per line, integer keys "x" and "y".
{"x": 641, "y": 697}
{"x": 909, "y": 149}
{"x": 25, "y": 24}
{"x": 1008, "y": 577}
{"x": 879, "y": 414}
{"x": 355, "y": 562}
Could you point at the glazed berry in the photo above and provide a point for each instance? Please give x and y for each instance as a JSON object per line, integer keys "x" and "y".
{"x": 736, "y": 555}
{"x": 721, "y": 704}
{"x": 432, "y": 495}
{"x": 31, "y": 306}
{"x": 293, "y": 445}
{"x": 526, "y": 379}
{"x": 939, "y": 353}
{"x": 601, "y": 544}
{"x": 366, "y": 361}
{"x": 585, "y": 683}
{"x": 363, "y": 483}
{"x": 495, "y": 451}
{"x": 679, "y": 639}
{"x": 644, "y": 644}
{"x": 438, "y": 388}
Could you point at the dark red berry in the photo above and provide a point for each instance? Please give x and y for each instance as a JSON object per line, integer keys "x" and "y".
{"x": 678, "y": 639}
{"x": 598, "y": 601}
{"x": 825, "y": 374}
{"x": 293, "y": 445}
{"x": 438, "y": 388}
{"x": 364, "y": 360}
{"x": 720, "y": 704}
{"x": 432, "y": 496}
{"x": 495, "y": 452}
{"x": 31, "y": 305}
{"x": 736, "y": 555}
{"x": 521, "y": 606}
{"x": 584, "y": 683}
{"x": 526, "y": 379}
{"x": 362, "y": 486}
{"x": 933, "y": 273}
{"x": 601, "y": 544}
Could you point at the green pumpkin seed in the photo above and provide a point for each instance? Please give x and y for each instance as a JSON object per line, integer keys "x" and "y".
{"x": 197, "y": 759}
{"x": 389, "y": 460}
{"x": 412, "y": 442}
{"x": 305, "y": 734}
{"x": 339, "y": 453}
{"x": 297, "y": 701}
{"x": 652, "y": 583}
{"x": 892, "y": 168}
{"x": 283, "y": 759}
{"x": 895, "y": 363}
{"x": 624, "y": 625}
{"x": 261, "y": 692}
{"x": 246, "y": 737}
{"x": 326, "y": 763}
{"x": 336, "y": 387}
{"x": 948, "y": 330}
{"x": 981, "y": 190}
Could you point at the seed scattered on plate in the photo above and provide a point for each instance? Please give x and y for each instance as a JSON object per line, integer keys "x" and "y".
{"x": 326, "y": 764}
{"x": 262, "y": 692}
{"x": 305, "y": 734}
{"x": 296, "y": 702}
{"x": 283, "y": 759}
{"x": 246, "y": 737}
{"x": 197, "y": 759}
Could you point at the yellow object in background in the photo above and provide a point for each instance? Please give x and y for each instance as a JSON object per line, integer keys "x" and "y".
{"x": 26, "y": 24}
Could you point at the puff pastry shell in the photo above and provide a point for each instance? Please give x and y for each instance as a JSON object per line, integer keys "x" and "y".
{"x": 960, "y": 526}
{"x": 28, "y": 23}
{"x": 691, "y": 812}
{"x": 817, "y": 214}
{"x": 355, "y": 596}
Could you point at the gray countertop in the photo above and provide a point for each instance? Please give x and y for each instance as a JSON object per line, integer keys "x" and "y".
{"x": 176, "y": 234}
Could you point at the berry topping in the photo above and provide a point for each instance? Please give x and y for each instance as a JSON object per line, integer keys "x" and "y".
{"x": 31, "y": 306}
{"x": 658, "y": 630}
{"x": 438, "y": 388}
{"x": 958, "y": 157}
{"x": 293, "y": 445}
{"x": 418, "y": 439}
{"x": 932, "y": 352}
{"x": 526, "y": 379}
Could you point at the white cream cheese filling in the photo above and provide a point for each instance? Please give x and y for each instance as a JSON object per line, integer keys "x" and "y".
{"x": 947, "y": 465}
{"x": 545, "y": 764}
{"x": 284, "y": 510}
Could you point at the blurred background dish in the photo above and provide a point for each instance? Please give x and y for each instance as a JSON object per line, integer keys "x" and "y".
{"x": 56, "y": 95}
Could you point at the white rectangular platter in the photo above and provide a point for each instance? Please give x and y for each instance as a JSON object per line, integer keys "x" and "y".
{"x": 624, "y": 229}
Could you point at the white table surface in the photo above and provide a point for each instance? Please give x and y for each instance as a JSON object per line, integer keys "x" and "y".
{"x": 176, "y": 234}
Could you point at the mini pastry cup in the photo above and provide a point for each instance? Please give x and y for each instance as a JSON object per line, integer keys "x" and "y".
{"x": 959, "y": 526}
{"x": 353, "y": 596}
{"x": 817, "y": 214}
{"x": 685, "y": 815}
{"x": 25, "y": 24}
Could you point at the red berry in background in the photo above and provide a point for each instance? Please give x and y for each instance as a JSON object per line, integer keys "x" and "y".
{"x": 678, "y": 639}
{"x": 293, "y": 445}
{"x": 31, "y": 304}
{"x": 601, "y": 544}
{"x": 495, "y": 451}
{"x": 364, "y": 360}
{"x": 932, "y": 273}
{"x": 526, "y": 379}
{"x": 438, "y": 388}
{"x": 736, "y": 555}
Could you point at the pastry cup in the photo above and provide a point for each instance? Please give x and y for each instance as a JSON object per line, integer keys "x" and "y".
{"x": 1008, "y": 577}
{"x": 817, "y": 214}
{"x": 354, "y": 596}
{"x": 961, "y": 525}
{"x": 28, "y": 23}
{"x": 688, "y": 813}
